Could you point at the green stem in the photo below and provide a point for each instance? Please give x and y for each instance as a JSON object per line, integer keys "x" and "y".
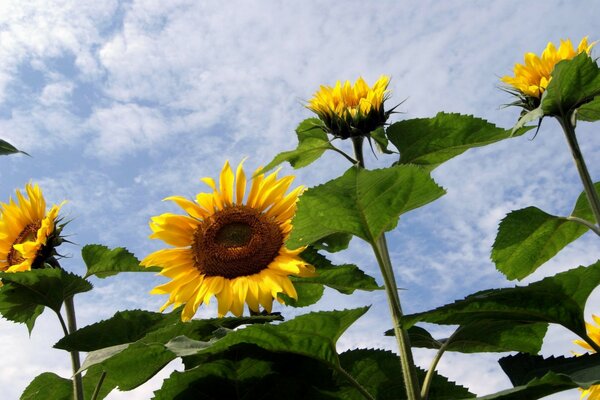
{"x": 354, "y": 382}
{"x": 588, "y": 184}
{"x": 409, "y": 371}
{"x": 587, "y": 224}
{"x": 346, "y": 156}
{"x": 98, "y": 385}
{"x": 75, "y": 362}
{"x": 433, "y": 366}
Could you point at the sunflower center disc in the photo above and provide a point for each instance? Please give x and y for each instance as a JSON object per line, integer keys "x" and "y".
{"x": 28, "y": 233}
{"x": 236, "y": 241}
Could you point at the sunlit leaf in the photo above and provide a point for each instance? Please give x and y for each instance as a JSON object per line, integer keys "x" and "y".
{"x": 559, "y": 299}
{"x": 529, "y": 237}
{"x": 312, "y": 143}
{"x": 102, "y": 261}
{"x": 44, "y": 384}
{"x": 431, "y": 141}
{"x": 362, "y": 203}
{"x": 24, "y": 294}
{"x": 308, "y": 294}
{"x": 574, "y": 83}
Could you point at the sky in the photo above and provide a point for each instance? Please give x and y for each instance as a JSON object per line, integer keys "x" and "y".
{"x": 123, "y": 103}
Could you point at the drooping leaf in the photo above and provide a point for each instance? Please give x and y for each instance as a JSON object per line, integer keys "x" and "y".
{"x": 24, "y": 294}
{"x": 431, "y": 141}
{"x": 102, "y": 261}
{"x": 590, "y": 111}
{"x": 379, "y": 372}
{"x": 574, "y": 83}
{"x": 558, "y": 299}
{"x": 362, "y": 203}
{"x": 529, "y": 237}
{"x": 44, "y": 384}
{"x": 484, "y": 337}
{"x": 312, "y": 143}
{"x": 7, "y": 148}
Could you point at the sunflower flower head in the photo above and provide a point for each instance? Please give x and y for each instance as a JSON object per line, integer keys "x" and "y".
{"x": 28, "y": 234}
{"x": 531, "y": 79}
{"x": 593, "y": 331}
{"x": 229, "y": 245}
{"x": 352, "y": 110}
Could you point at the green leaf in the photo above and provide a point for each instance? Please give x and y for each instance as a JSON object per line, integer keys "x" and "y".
{"x": 379, "y": 372}
{"x": 312, "y": 143}
{"x": 559, "y": 299}
{"x": 333, "y": 243}
{"x": 102, "y": 261}
{"x": 24, "y": 294}
{"x": 312, "y": 335}
{"x": 574, "y": 83}
{"x": 7, "y": 148}
{"x": 44, "y": 384}
{"x": 431, "y": 141}
{"x": 308, "y": 293}
{"x": 536, "y": 389}
{"x": 381, "y": 140}
{"x": 362, "y": 203}
{"x": 529, "y": 237}
{"x": 590, "y": 111}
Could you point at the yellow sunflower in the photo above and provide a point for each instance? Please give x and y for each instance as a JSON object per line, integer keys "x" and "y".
{"x": 532, "y": 78}
{"x": 593, "y": 331}
{"x": 28, "y": 234}
{"x": 229, "y": 248}
{"x": 351, "y": 110}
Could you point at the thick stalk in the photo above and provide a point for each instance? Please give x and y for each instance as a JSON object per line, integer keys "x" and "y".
{"x": 409, "y": 371}
{"x": 75, "y": 362}
{"x": 588, "y": 184}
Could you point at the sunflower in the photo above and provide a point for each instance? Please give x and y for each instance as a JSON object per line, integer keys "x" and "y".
{"x": 227, "y": 248}
{"x": 28, "y": 235}
{"x": 532, "y": 78}
{"x": 593, "y": 332}
{"x": 352, "y": 110}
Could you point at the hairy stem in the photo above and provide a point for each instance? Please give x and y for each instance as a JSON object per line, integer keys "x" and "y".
{"x": 75, "y": 362}
{"x": 588, "y": 184}
{"x": 409, "y": 371}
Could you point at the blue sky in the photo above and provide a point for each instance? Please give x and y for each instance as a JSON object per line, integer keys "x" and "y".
{"x": 121, "y": 104}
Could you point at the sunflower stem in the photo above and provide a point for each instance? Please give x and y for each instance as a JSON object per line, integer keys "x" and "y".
{"x": 75, "y": 361}
{"x": 409, "y": 371}
{"x": 438, "y": 356}
{"x": 354, "y": 383}
{"x": 98, "y": 386}
{"x": 586, "y": 180}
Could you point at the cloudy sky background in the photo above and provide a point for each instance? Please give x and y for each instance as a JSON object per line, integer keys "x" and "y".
{"x": 121, "y": 104}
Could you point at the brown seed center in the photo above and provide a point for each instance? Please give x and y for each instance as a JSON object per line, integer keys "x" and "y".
{"x": 236, "y": 241}
{"x": 27, "y": 234}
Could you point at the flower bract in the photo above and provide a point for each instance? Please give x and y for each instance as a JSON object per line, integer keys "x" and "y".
{"x": 352, "y": 110}
{"x": 229, "y": 245}
{"x": 532, "y": 78}
{"x": 28, "y": 234}
{"x": 593, "y": 331}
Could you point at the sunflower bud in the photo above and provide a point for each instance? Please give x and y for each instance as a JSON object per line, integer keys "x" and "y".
{"x": 352, "y": 110}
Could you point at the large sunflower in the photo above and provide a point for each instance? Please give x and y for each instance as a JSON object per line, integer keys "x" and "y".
{"x": 532, "y": 78}
{"x": 229, "y": 248}
{"x": 27, "y": 233}
{"x": 593, "y": 331}
{"x": 352, "y": 110}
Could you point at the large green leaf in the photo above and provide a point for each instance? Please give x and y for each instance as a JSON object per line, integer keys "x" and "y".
{"x": 312, "y": 143}
{"x": 379, "y": 372}
{"x": 48, "y": 383}
{"x": 431, "y": 141}
{"x": 529, "y": 237}
{"x": 574, "y": 83}
{"x": 24, "y": 294}
{"x": 536, "y": 389}
{"x": 362, "y": 203}
{"x": 102, "y": 261}
{"x": 558, "y": 299}
{"x": 484, "y": 337}
{"x": 590, "y": 111}
{"x": 7, "y": 148}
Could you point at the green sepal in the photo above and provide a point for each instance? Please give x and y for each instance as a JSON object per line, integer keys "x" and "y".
{"x": 25, "y": 294}
{"x": 364, "y": 203}
{"x": 312, "y": 143}
{"x": 529, "y": 237}
{"x": 429, "y": 142}
{"x": 103, "y": 262}
{"x": 558, "y": 299}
